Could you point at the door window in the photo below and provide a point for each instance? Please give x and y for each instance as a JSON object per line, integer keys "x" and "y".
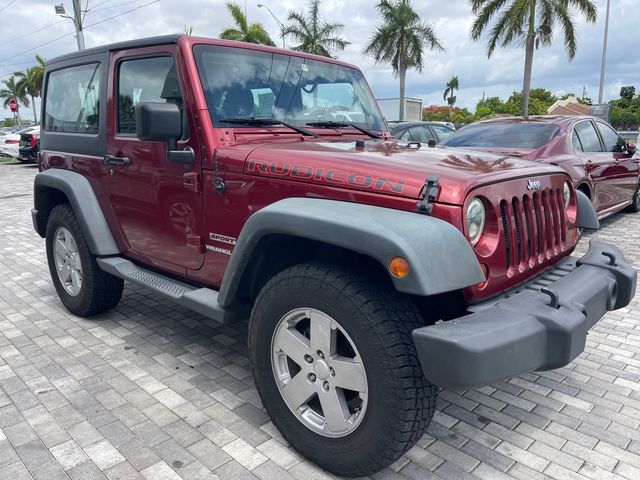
{"x": 421, "y": 134}
{"x": 588, "y": 137}
{"x": 576, "y": 141}
{"x": 442, "y": 131}
{"x": 612, "y": 141}
{"x": 145, "y": 80}
{"x": 72, "y": 100}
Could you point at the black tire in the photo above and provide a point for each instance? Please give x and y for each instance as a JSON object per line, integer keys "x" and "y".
{"x": 401, "y": 402}
{"x": 99, "y": 291}
{"x": 635, "y": 203}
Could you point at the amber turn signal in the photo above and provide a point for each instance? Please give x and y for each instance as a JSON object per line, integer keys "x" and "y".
{"x": 399, "y": 267}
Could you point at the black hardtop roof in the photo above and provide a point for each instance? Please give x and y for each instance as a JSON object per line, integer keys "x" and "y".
{"x": 137, "y": 43}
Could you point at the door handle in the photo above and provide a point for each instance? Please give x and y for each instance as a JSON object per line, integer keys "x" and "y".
{"x": 112, "y": 160}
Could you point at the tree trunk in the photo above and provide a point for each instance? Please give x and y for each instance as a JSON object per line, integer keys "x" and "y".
{"x": 528, "y": 61}
{"x": 403, "y": 75}
{"x": 526, "y": 82}
{"x": 33, "y": 107}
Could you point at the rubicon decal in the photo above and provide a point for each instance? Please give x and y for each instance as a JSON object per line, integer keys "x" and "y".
{"x": 328, "y": 175}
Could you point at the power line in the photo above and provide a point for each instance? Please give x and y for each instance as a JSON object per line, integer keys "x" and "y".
{"x": 37, "y": 46}
{"x": 8, "y": 5}
{"x": 120, "y": 14}
{"x": 112, "y": 6}
{"x": 71, "y": 33}
{"x": 31, "y": 33}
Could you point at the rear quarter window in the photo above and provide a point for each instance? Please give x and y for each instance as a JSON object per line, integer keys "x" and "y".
{"x": 72, "y": 104}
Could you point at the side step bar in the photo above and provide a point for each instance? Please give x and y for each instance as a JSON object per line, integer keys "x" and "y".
{"x": 201, "y": 300}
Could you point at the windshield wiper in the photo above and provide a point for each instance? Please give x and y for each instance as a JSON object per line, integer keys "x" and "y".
{"x": 267, "y": 122}
{"x": 332, "y": 124}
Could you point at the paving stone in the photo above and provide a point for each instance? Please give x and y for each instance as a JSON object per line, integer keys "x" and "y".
{"x": 104, "y": 455}
{"x": 152, "y": 375}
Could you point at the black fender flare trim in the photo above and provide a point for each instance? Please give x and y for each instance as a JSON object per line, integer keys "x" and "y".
{"x": 83, "y": 200}
{"x": 440, "y": 257}
{"x": 587, "y": 216}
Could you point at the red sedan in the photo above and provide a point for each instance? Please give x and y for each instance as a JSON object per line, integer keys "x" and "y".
{"x": 600, "y": 162}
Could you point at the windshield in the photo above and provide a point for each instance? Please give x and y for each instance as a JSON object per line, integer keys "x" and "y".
{"x": 499, "y": 135}
{"x": 240, "y": 83}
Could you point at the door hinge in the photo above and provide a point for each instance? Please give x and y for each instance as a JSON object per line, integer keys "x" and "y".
{"x": 195, "y": 241}
{"x": 430, "y": 192}
{"x": 191, "y": 181}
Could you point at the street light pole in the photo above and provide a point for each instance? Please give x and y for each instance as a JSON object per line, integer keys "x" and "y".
{"x": 77, "y": 20}
{"x": 260, "y": 5}
{"x": 604, "y": 52}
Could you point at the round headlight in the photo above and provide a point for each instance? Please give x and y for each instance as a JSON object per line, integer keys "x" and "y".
{"x": 475, "y": 220}
{"x": 566, "y": 191}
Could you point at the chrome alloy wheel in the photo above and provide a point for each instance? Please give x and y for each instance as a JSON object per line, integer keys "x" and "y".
{"x": 67, "y": 261}
{"x": 319, "y": 372}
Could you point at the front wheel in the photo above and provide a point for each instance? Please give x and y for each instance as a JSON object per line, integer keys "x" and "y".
{"x": 336, "y": 367}
{"x": 635, "y": 203}
{"x": 80, "y": 283}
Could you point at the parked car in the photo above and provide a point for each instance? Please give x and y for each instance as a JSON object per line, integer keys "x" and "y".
{"x": 422, "y": 132}
{"x": 29, "y": 145}
{"x": 10, "y": 142}
{"x": 601, "y": 164}
{"x": 350, "y": 251}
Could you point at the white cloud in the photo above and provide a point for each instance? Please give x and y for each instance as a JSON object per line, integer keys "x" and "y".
{"x": 499, "y": 75}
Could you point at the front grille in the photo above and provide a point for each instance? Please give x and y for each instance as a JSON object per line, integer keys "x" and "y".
{"x": 533, "y": 229}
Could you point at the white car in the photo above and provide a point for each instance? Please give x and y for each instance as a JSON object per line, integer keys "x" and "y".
{"x": 10, "y": 142}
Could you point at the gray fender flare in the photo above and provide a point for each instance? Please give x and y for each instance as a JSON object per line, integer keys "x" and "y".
{"x": 587, "y": 216}
{"x": 83, "y": 200}
{"x": 440, "y": 257}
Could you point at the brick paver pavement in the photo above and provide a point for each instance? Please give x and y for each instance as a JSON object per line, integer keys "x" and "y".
{"x": 153, "y": 391}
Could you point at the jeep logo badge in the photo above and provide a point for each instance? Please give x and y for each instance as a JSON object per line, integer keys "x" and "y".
{"x": 533, "y": 184}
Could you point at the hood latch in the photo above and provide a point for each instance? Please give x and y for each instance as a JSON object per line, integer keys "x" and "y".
{"x": 431, "y": 189}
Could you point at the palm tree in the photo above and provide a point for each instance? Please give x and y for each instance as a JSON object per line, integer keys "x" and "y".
{"x": 530, "y": 22}
{"x": 30, "y": 82}
{"x": 244, "y": 31}
{"x": 401, "y": 41}
{"x": 12, "y": 90}
{"x": 448, "y": 95}
{"x": 315, "y": 36}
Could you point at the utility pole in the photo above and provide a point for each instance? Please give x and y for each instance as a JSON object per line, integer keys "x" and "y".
{"x": 77, "y": 20}
{"x": 604, "y": 52}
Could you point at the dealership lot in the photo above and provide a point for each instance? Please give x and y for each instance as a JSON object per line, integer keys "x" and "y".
{"x": 151, "y": 390}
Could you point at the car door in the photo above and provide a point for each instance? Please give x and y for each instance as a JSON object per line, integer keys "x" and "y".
{"x": 156, "y": 202}
{"x": 597, "y": 163}
{"x": 625, "y": 167}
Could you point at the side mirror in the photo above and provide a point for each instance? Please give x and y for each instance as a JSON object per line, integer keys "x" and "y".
{"x": 632, "y": 148}
{"x": 157, "y": 121}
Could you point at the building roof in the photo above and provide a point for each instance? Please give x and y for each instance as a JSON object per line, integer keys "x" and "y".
{"x": 569, "y": 106}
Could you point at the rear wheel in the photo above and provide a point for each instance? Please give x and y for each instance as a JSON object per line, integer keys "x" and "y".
{"x": 336, "y": 367}
{"x": 80, "y": 283}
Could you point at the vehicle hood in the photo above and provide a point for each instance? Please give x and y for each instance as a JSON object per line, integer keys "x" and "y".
{"x": 388, "y": 167}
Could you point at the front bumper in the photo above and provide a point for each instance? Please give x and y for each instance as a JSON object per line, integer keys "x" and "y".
{"x": 541, "y": 327}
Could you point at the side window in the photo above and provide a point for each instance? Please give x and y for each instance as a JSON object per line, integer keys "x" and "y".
{"x": 442, "y": 131}
{"x": 406, "y": 135}
{"x": 588, "y": 137}
{"x": 72, "y": 103}
{"x": 612, "y": 141}
{"x": 576, "y": 141}
{"x": 421, "y": 134}
{"x": 145, "y": 80}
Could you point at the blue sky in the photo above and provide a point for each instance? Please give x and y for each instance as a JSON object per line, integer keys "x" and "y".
{"x": 451, "y": 20}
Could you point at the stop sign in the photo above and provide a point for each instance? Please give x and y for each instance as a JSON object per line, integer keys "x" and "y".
{"x": 13, "y": 105}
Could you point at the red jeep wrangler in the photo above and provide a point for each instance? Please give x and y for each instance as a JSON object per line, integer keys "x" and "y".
{"x": 241, "y": 180}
